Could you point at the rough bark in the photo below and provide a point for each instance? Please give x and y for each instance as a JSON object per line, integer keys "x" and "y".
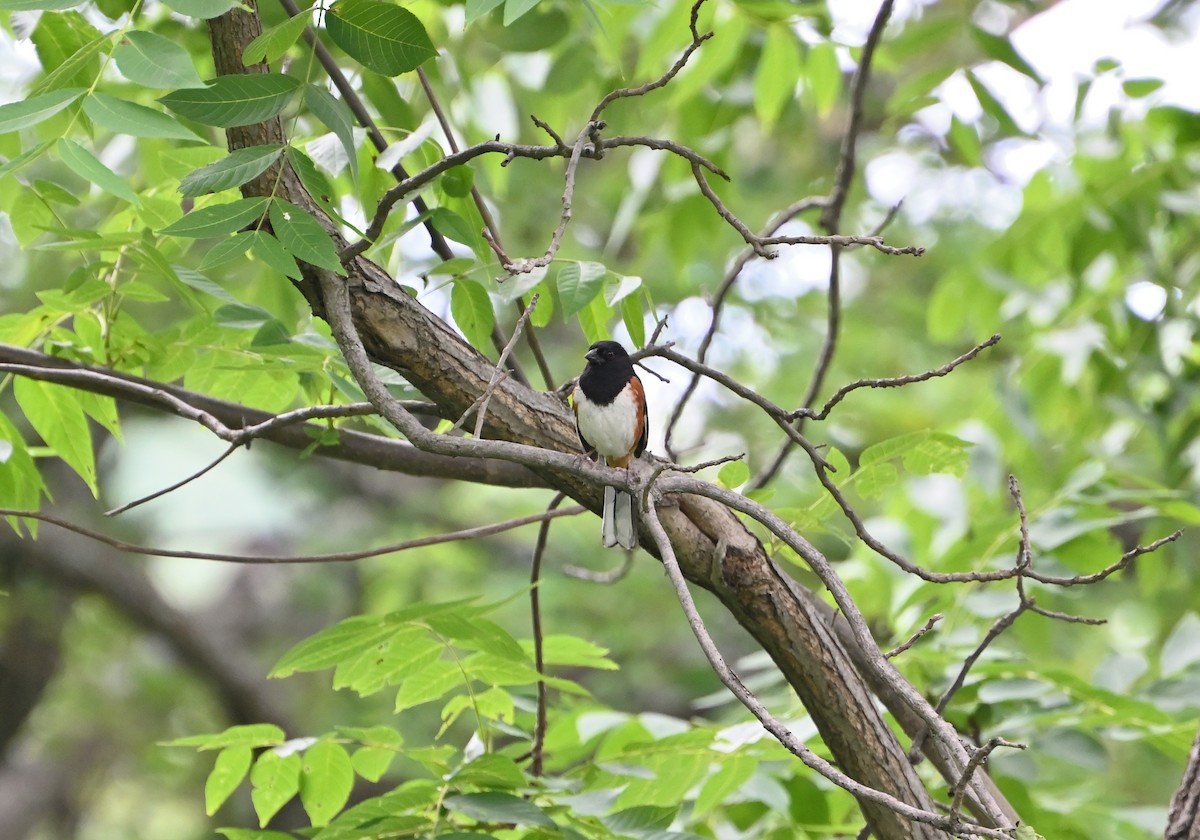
{"x": 399, "y": 333}
{"x": 1183, "y": 818}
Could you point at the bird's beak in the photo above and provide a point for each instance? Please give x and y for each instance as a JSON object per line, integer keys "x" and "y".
{"x": 593, "y": 356}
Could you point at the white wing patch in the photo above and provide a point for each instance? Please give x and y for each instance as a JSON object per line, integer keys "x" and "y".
{"x": 609, "y": 428}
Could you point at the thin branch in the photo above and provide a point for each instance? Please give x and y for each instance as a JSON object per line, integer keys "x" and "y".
{"x": 772, "y": 724}
{"x": 718, "y": 303}
{"x": 280, "y": 559}
{"x": 978, "y": 758}
{"x": 895, "y": 381}
{"x": 171, "y": 488}
{"x": 494, "y": 383}
{"x": 665, "y": 78}
{"x": 915, "y": 637}
{"x": 527, "y": 265}
{"x": 831, "y": 218}
{"x": 844, "y": 175}
{"x": 610, "y": 577}
{"x": 535, "y": 609}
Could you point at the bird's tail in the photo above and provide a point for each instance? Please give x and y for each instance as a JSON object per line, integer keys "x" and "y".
{"x": 620, "y": 519}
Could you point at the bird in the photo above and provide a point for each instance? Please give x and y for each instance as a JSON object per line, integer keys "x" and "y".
{"x": 612, "y": 422}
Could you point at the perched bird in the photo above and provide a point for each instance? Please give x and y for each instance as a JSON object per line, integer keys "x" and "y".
{"x": 610, "y": 416}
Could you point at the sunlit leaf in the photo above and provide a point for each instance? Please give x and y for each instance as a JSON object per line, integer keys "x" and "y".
{"x": 326, "y": 777}
{"x": 230, "y": 101}
{"x": 472, "y": 310}
{"x": 149, "y": 59}
{"x": 27, "y": 112}
{"x": 230, "y": 768}
{"x": 383, "y": 37}
{"x": 123, "y": 117}
{"x": 238, "y": 167}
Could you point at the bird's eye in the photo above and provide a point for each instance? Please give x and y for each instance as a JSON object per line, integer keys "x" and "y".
{"x": 608, "y": 355}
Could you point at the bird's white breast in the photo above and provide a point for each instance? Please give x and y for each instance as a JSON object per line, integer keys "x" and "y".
{"x": 609, "y": 428}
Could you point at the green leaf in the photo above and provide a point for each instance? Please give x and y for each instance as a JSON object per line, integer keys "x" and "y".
{"x": 734, "y": 772}
{"x": 58, "y": 417}
{"x": 241, "y": 316}
{"x": 634, "y": 319}
{"x": 336, "y": 116}
{"x": 593, "y": 320}
{"x": 327, "y": 648}
{"x": 276, "y": 780}
{"x": 122, "y": 117}
{"x": 230, "y": 101}
{"x": 27, "y": 112}
{"x": 218, "y": 219}
{"x": 1001, "y": 49}
{"x": 272, "y": 44}
{"x": 993, "y": 107}
{"x": 203, "y": 9}
{"x": 513, "y": 9}
{"x": 409, "y": 648}
{"x": 36, "y": 5}
{"x": 248, "y": 735}
{"x": 226, "y": 251}
{"x": 494, "y": 807}
{"x": 778, "y": 70}
{"x": 890, "y": 448}
{"x": 640, "y": 820}
{"x": 478, "y": 8}
{"x": 269, "y": 249}
{"x": 472, "y": 310}
{"x": 938, "y": 453}
{"x": 381, "y": 36}
{"x": 58, "y": 37}
{"x": 574, "y": 652}
{"x": 491, "y": 771}
{"x": 156, "y": 62}
{"x": 454, "y": 226}
{"x": 873, "y": 481}
{"x": 303, "y": 236}
{"x": 965, "y": 140}
{"x": 372, "y": 762}
{"x": 326, "y": 779}
{"x": 824, "y": 77}
{"x": 253, "y": 834}
{"x": 86, "y": 165}
{"x": 235, "y": 169}
{"x": 21, "y": 484}
{"x": 578, "y": 283}
{"x": 429, "y": 683}
{"x": 457, "y": 181}
{"x": 230, "y": 768}
{"x": 1137, "y": 88}
{"x": 734, "y": 474}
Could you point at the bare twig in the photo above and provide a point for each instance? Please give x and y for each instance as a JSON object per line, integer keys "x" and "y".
{"x": 718, "y": 303}
{"x": 915, "y": 637}
{"x": 497, "y": 375}
{"x": 527, "y": 265}
{"x": 831, "y": 218}
{"x": 612, "y": 576}
{"x": 978, "y": 758}
{"x": 665, "y": 78}
{"x": 171, "y": 488}
{"x": 535, "y": 609}
{"x": 279, "y": 559}
{"x": 895, "y": 381}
